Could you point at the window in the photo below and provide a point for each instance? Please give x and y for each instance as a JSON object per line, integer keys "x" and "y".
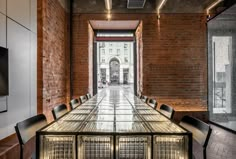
{"x": 103, "y": 75}
{"x": 103, "y": 52}
{"x": 102, "y": 45}
{"x": 118, "y": 51}
{"x": 126, "y": 59}
{"x": 103, "y": 60}
{"x": 126, "y": 51}
{"x": 222, "y": 69}
{"x": 125, "y": 46}
{"x": 222, "y": 77}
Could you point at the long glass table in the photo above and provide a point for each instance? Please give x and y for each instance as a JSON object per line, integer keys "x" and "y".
{"x": 114, "y": 124}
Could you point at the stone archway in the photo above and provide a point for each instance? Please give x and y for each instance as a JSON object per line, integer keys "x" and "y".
{"x": 114, "y": 65}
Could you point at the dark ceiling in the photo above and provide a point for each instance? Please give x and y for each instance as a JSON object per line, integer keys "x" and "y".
{"x": 224, "y": 21}
{"x": 120, "y": 6}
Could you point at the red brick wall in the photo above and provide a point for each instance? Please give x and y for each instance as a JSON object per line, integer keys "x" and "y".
{"x": 139, "y": 49}
{"x": 174, "y": 57}
{"x": 53, "y": 56}
{"x": 90, "y": 65}
{"x": 80, "y": 60}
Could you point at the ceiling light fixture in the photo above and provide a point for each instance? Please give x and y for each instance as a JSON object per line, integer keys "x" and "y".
{"x": 212, "y": 6}
{"x": 159, "y": 7}
{"x": 108, "y": 4}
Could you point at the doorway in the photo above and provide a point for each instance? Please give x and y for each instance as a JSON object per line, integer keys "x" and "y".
{"x": 115, "y": 64}
{"x": 115, "y": 43}
{"x": 114, "y": 71}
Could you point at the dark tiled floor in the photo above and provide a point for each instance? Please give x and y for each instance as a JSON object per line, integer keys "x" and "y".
{"x": 229, "y": 124}
{"x": 222, "y": 145}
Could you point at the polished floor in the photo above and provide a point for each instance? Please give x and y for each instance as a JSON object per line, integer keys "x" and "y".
{"x": 221, "y": 145}
{"x": 229, "y": 124}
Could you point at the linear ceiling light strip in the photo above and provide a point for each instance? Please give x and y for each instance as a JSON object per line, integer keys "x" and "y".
{"x": 212, "y": 6}
{"x": 160, "y": 6}
{"x": 108, "y": 4}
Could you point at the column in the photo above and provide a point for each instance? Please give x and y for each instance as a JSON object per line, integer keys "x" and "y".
{"x": 121, "y": 75}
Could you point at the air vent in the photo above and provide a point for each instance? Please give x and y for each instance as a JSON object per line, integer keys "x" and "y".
{"x": 135, "y": 4}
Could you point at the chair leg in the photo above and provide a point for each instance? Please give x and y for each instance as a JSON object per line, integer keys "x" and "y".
{"x": 21, "y": 152}
{"x": 204, "y": 153}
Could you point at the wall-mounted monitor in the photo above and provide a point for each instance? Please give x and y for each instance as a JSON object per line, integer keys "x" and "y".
{"x": 4, "y": 83}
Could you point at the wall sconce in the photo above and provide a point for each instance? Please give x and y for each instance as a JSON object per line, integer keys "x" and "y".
{"x": 159, "y": 8}
{"x": 212, "y": 6}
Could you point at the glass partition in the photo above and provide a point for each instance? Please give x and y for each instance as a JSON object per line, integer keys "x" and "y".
{"x": 222, "y": 68}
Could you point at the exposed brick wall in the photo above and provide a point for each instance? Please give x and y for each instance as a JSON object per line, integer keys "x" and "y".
{"x": 80, "y": 72}
{"x": 139, "y": 49}
{"x": 90, "y": 65}
{"x": 174, "y": 56}
{"x": 176, "y": 65}
{"x": 53, "y": 56}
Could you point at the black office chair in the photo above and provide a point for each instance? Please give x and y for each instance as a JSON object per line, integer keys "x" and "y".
{"x": 152, "y": 103}
{"x": 83, "y": 99}
{"x": 168, "y": 111}
{"x": 201, "y": 131}
{"x": 59, "y": 111}
{"x": 88, "y": 95}
{"x": 144, "y": 98}
{"x": 74, "y": 103}
{"x": 26, "y": 130}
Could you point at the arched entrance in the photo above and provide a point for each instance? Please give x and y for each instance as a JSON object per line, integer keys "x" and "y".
{"x": 114, "y": 71}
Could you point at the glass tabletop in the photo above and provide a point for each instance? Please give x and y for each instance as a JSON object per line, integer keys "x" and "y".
{"x": 114, "y": 112}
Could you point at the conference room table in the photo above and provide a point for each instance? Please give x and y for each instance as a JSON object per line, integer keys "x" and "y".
{"x": 114, "y": 124}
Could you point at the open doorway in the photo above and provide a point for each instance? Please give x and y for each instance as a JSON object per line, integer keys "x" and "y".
{"x": 115, "y": 64}
{"x": 117, "y": 55}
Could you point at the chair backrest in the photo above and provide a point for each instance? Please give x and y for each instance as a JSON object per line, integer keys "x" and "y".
{"x": 152, "y": 103}
{"x": 58, "y": 111}
{"x": 83, "y": 99}
{"x": 168, "y": 111}
{"x": 88, "y": 95}
{"x": 201, "y": 131}
{"x": 144, "y": 98}
{"x": 26, "y": 129}
{"x": 74, "y": 103}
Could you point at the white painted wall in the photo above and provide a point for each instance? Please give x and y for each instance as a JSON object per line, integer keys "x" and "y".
{"x": 19, "y": 36}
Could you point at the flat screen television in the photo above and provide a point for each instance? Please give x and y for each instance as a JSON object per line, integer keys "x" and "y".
{"x": 4, "y": 83}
